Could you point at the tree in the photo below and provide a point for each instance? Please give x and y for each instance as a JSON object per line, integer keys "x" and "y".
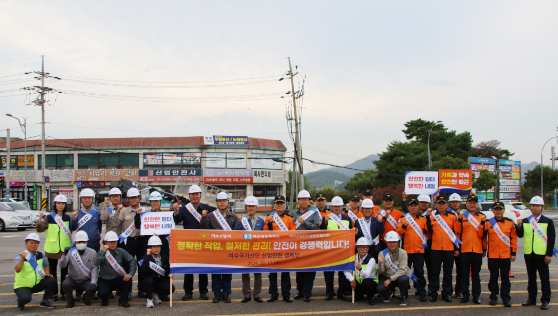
{"x": 306, "y": 185}
{"x": 450, "y": 163}
{"x": 361, "y": 181}
{"x": 533, "y": 180}
{"x": 485, "y": 181}
{"x": 489, "y": 149}
{"x": 413, "y": 154}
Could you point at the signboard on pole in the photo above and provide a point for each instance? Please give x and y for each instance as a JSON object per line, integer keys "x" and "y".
{"x": 421, "y": 182}
{"x": 159, "y": 223}
{"x": 455, "y": 181}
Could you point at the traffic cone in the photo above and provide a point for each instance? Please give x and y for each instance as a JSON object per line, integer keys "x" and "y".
{"x": 512, "y": 275}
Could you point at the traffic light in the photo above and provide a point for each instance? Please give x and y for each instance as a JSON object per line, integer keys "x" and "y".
{"x": 2, "y": 182}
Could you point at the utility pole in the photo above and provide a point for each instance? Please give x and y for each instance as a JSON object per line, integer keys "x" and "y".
{"x": 552, "y": 150}
{"x": 24, "y": 128}
{"x": 8, "y": 195}
{"x": 298, "y": 153}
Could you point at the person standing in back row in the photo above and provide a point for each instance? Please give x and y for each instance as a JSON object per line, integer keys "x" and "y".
{"x": 88, "y": 219}
{"x": 190, "y": 216}
{"x": 539, "y": 236}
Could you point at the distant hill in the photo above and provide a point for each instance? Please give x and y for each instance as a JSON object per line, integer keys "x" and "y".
{"x": 529, "y": 166}
{"x": 328, "y": 176}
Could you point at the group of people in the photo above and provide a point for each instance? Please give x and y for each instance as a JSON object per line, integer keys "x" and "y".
{"x": 392, "y": 249}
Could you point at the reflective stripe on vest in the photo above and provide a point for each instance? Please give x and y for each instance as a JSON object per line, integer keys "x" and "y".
{"x": 27, "y": 277}
{"x": 532, "y": 241}
{"x": 332, "y": 225}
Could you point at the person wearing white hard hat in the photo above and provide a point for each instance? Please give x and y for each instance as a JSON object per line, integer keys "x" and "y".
{"x": 155, "y": 199}
{"x": 110, "y": 210}
{"x": 334, "y": 221}
{"x": 88, "y": 219}
{"x": 220, "y": 219}
{"x": 58, "y": 237}
{"x": 186, "y": 214}
{"x": 32, "y": 274}
{"x": 455, "y": 204}
{"x": 79, "y": 261}
{"x": 370, "y": 227}
{"x": 154, "y": 274}
{"x": 537, "y": 251}
{"x": 392, "y": 270}
{"x": 112, "y": 272}
{"x": 251, "y": 222}
{"x": 305, "y": 219}
{"x": 130, "y": 237}
{"x": 364, "y": 280}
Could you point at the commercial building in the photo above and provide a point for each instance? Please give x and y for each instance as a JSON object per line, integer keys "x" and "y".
{"x": 239, "y": 164}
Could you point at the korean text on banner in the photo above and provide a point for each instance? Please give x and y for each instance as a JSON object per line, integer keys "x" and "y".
{"x": 455, "y": 181}
{"x": 210, "y": 251}
{"x": 421, "y": 182}
{"x": 159, "y": 223}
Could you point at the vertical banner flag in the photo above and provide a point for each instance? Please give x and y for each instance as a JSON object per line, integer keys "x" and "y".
{"x": 213, "y": 251}
{"x": 455, "y": 181}
{"x": 421, "y": 182}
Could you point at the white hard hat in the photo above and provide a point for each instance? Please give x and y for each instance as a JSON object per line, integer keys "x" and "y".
{"x": 367, "y": 203}
{"x": 362, "y": 241}
{"x": 154, "y": 241}
{"x": 115, "y": 191}
{"x": 337, "y": 201}
{"x": 537, "y": 200}
{"x": 60, "y": 198}
{"x": 251, "y": 200}
{"x": 133, "y": 192}
{"x": 222, "y": 196}
{"x": 81, "y": 236}
{"x": 33, "y": 236}
{"x": 111, "y": 236}
{"x": 194, "y": 189}
{"x": 303, "y": 194}
{"x": 455, "y": 198}
{"x": 391, "y": 236}
{"x": 155, "y": 196}
{"x": 425, "y": 198}
{"x": 87, "y": 193}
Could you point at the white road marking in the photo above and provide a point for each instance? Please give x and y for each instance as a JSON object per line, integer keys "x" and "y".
{"x": 8, "y": 236}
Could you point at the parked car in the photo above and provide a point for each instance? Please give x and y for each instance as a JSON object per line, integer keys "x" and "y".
{"x": 509, "y": 211}
{"x": 12, "y": 219}
{"x": 16, "y": 200}
{"x": 522, "y": 210}
{"x": 20, "y": 208}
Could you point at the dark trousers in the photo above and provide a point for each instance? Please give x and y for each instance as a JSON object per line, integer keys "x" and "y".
{"x": 221, "y": 284}
{"x": 415, "y": 261}
{"x": 105, "y": 287}
{"x": 97, "y": 247}
{"x": 329, "y": 277}
{"x": 499, "y": 267}
{"x": 428, "y": 263}
{"x": 24, "y": 294}
{"x": 69, "y": 285}
{"x": 342, "y": 284}
{"x": 368, "y": 287}
{"x": 402, "y": 283}
{"x": 53, "y": 264}
{"x": 132, "y": 246}
{"x": 285, "y": 284}
{"x": 160, "y": 286}
{"x": 534, "y": 265}
{"x": 458, "y": 275}
{"x": 189, "y": 283}
{"x": 439, "y": 258}
{"x": 305, "y": 282}
{"x": 471, "y": 261}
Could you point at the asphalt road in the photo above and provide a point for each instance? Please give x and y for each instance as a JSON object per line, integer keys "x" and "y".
{"x": 11, "y": 243}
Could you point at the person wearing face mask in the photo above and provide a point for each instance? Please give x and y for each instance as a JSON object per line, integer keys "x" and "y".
{"x": 32, "y": 274}
{"x": 79, "y": 262}
{"x": 88, "y": 219}
{"x": 220, "y": 219}
{"x": 539, "y": 237}
{"x": 279, "y": 220}
{"x": 112, "y": 275}
{"x": 58, "y": 237}
{"x": 154, "y": 274}
{"x": 305, "y": 219}
{"x": 110, "y": 211}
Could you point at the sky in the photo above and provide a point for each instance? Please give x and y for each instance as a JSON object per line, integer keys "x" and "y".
{"x": 191, "y": 68}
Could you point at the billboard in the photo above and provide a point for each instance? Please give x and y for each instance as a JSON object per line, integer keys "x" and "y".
{"x": 421, "y": 182}
{"x": 455, "y": 181}
{"x": 226, "y": 140}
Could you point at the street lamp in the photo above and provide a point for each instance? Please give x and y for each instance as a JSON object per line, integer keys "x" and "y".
{"x": 542, "y": 195}
{"x": 24, "y": 128}
{"x": 429, "y": 157}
